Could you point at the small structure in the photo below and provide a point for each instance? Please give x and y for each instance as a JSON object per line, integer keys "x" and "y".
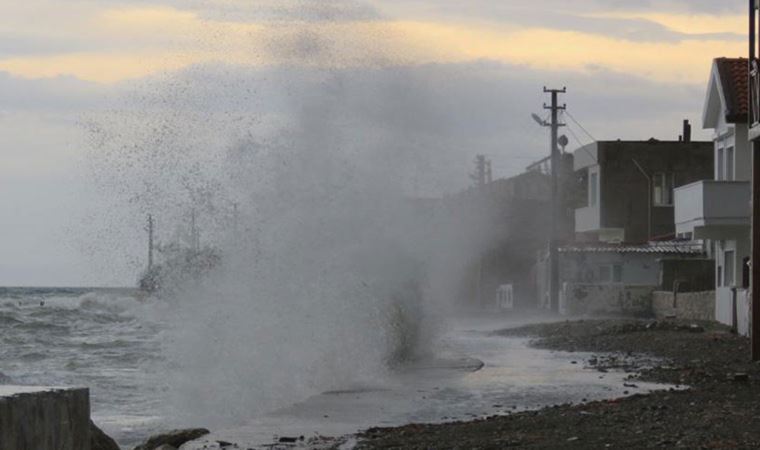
{"x": 615, "y": 279}
{"x": 41, "y": 418}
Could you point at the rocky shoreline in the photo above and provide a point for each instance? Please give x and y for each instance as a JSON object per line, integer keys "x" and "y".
{"x": 714, "y": 401}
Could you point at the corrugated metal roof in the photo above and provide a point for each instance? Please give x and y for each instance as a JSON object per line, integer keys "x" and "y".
{"x": 670, "y": 247}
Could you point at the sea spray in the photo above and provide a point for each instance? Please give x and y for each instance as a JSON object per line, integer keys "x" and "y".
{"x": 308, "y": 183}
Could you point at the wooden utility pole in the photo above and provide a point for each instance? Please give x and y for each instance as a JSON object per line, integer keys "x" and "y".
{"x": 755, "y": 203}
{"x": 555, "y": 202}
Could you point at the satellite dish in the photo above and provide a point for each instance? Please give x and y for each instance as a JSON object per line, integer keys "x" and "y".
{"x": 563, "y": 141}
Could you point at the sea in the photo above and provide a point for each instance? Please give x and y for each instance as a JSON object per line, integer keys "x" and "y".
{"x": 106, "y": 339}
{"x": 113, "y": 342}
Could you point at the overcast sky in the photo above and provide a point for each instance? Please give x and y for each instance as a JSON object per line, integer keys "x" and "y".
{"x": 633, "y": 69}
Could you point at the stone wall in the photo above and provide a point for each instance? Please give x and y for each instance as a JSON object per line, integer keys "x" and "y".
{"x": 44, "y": 418}
{"x": 606, "y": 299}
{"x": 684, "y": 305}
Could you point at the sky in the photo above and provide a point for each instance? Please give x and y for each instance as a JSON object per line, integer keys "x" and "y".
{"x": 633, "y": 70}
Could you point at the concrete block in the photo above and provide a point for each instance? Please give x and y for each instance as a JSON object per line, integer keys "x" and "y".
{"x": 44, "y": 418}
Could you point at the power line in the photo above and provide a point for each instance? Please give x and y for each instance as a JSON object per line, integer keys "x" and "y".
{"x": 579, "y": 125}
{"x": 583, "y": 146}
{"x": 575, "y": 136}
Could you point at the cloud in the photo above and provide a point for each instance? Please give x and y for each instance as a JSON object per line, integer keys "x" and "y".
{"x": 60, "y": 93}
{"x": 373, "y": 43}
{"x": 397, "y": 76}
{"x": 436, "y": 116}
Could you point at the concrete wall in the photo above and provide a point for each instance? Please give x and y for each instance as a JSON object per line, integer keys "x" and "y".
{"x": 44, "y": 418}
{"x": 600, "y": 299}
{"x": 684, "y": 305}
{"x": 742, "y": 312}
{"x": 725, "y": 312}
{"x": 584, "y": 267}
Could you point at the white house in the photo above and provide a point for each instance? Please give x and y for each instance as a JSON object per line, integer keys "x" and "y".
{"x": 717, "y": 211}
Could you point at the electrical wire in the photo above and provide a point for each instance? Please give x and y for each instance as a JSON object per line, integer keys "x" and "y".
{"x": 579, "y": 125}
{"x": 583, "y": 146}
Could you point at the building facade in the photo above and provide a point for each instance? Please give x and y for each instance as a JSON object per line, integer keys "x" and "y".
{"x": 717, "y": 211}
{"x": 629, "y": 187}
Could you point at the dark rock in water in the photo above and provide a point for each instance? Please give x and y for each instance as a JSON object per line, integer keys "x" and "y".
{"x": 174, "y": 438}
{"x": 101, "y": 441}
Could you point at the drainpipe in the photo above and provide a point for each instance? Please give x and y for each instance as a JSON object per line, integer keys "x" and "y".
{"x": 649, "y": 198}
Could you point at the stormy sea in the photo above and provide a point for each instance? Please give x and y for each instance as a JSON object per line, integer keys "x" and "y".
{"x": 104, "y": 339}
{"x": 118, "y": 344}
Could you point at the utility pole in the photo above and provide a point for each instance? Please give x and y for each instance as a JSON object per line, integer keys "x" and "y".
{"x": 150, "y": 241}
{"x": 555, "y": 108}
{"x": 755, "y": 202}
{"x": 480, "y": 175}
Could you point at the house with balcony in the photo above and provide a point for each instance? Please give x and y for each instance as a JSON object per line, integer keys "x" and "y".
{"x": 629, "y": 187}
{"x": 624, "y": 224}
{"x": 717, "y": 211}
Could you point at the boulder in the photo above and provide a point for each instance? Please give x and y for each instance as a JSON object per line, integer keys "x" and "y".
{"x": 101, "y": 441}
{"x": 173, "y": 438}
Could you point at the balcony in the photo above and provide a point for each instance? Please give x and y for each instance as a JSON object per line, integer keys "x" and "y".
{"x": 587, "y": 219}
{"x": 712, "y": 209}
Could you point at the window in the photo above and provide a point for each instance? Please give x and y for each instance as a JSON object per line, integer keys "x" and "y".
{"x": 617, "y": 273}
{"x": 728, "y": 268}
{"x": 730, "y": 164}
{"x": 594, "y": 188}
{"x": 719, "y": 166}
{"x": 663, "y": 189}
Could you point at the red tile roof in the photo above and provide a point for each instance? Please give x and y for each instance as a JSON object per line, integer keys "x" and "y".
{"x": 734, "y": 74}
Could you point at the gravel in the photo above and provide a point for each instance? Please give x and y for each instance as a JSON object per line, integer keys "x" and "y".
{"x": 716, "y": 404}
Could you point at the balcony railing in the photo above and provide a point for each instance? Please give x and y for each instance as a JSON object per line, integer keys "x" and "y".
{"x": 712, "y": 209}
